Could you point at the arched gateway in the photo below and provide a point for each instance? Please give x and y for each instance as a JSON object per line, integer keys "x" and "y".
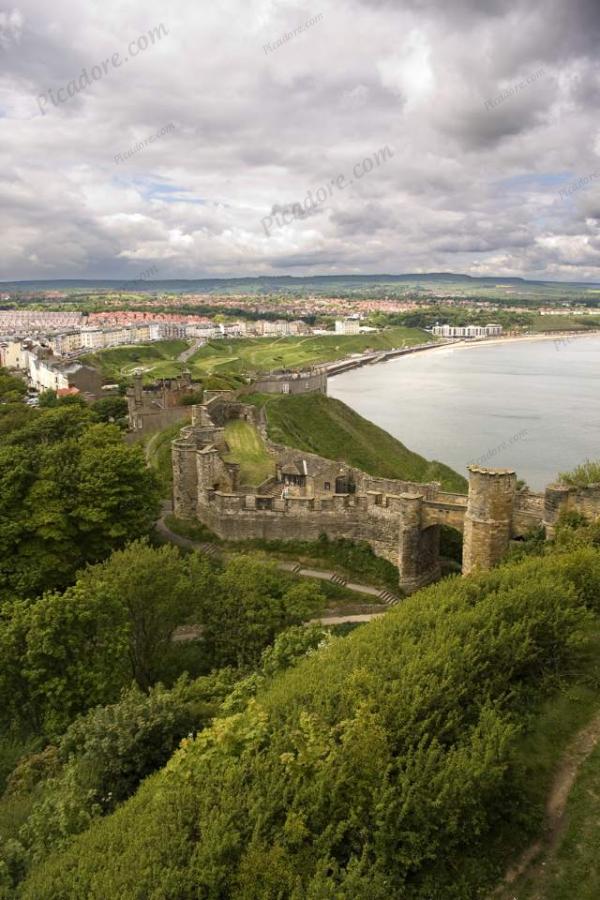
{"x": 309, "y": 496}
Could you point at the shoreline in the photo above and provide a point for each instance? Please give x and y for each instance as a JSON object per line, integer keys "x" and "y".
{"x": 563, "y": 337}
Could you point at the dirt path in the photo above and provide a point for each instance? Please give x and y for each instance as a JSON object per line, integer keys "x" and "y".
{"x": 531, "y": 862}
{"x": 363, "y": 614}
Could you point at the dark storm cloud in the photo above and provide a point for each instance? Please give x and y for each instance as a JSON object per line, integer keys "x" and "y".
{"x": 471, "y": 187}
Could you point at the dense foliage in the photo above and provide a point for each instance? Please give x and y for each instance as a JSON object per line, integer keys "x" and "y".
{"x": 379, "y": 767}
{"x": 66, "y": 652}
{"x": 70, "y": 492}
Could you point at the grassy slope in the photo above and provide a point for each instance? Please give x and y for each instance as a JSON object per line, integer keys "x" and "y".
{"x": 247, "y": 448}
{"x": 262, "y": 355}
{"x": 565, "y": 323}
{"x": 248, "y": 355}
{"x": 576, "y": 860}
{"x": 328, "y": 427}
{"x": 119, "y": 361}
{"x": 139, "y": 822}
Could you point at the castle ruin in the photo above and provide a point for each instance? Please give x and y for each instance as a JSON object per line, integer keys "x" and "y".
{"x": 309, "y": 495}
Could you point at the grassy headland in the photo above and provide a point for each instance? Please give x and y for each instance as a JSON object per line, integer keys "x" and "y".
{"x": 319, "y": 424}
{"x": 245, "y": 356}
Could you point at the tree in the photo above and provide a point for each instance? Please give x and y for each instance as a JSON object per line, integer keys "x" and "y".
{"x": 48, "y": 399}
{"x": 110, "y": 409}
{"x": 156, "y": 590}
{"x": 252, "y": 603}
{"x": 59, "y": 656}
{"x": 12, "y": 388}
{"x": 70, "y": 491}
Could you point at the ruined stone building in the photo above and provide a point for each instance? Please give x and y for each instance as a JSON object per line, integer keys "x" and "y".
{"x": 309, "y": 495}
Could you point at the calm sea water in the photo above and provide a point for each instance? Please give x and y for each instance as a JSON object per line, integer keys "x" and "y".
{"x": 532, "y": 406}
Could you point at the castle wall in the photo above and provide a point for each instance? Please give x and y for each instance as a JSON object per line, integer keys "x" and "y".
{"x": 185, "y": 479}
{"x": 292, "y": 383}
{"x": 400, "y": 520}
{"x": 238, "y": 517}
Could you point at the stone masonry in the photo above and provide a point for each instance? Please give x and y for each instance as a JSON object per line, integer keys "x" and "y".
{"x": 309, "y": 496}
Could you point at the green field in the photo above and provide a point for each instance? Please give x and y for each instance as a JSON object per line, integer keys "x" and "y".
{"x": 575, "y": 861}
{"x": 245, "y": 356}
{"x": 564, "y": 323}
{"x": 247, "y": 448}
{"x": 252, "y": 355}
{"x": 319, "y": 424}
{"x": 118, "y": 363}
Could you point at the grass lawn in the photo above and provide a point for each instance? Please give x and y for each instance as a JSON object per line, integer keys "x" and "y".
{"x": 247, "y": 448}
{"x": 252, "y": 355}
{"x": 158, "y": 360}
{"x": 245, "y": 356}
{"x": 565, "y": 323}
{"x": 322, "y": 425}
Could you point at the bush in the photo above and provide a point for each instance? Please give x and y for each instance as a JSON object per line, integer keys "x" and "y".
{"x": 379, "y": 766}
{"x": 584, "y": 475}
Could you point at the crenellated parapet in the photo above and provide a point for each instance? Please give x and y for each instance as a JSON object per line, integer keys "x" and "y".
{"x": 310, "y": 495}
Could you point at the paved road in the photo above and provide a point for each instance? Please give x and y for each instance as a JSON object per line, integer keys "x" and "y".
{"x": 185, "y": 354}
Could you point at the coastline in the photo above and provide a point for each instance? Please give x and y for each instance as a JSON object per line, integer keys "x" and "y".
{"x": 371, "y": 359}
{"x": 560, "y": 336}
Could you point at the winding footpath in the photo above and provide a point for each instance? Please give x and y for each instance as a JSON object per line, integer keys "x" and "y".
{"x": 531, "y": 863}
{"x": 363, "y": 614}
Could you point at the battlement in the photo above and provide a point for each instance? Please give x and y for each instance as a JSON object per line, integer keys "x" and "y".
{"x": 311, "y": 495}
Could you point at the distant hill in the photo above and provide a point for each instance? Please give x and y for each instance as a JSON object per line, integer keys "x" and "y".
{"x": 310, "y": 283}
{"x": 319, "y": 424}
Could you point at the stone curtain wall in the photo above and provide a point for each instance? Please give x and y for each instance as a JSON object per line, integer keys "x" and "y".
{"x": 400, "y": 520}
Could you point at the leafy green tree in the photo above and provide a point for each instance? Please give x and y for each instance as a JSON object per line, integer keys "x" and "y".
{"x": 60, "y": 655}
{"x": 48, "y": 400}
{"x": 70, "y": 492}
{"x": 12, "y": 388}
{"x": 252, "y": 603}
{"x": 110, "y": 409}
{"x": 157, "y": 591}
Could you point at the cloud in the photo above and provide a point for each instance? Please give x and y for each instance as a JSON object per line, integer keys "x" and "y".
{"x": 471, "y": 187}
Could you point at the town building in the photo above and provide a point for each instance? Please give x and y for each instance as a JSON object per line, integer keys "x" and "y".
{"x": 467, "y": 331}
{"x": 350, "y": 325}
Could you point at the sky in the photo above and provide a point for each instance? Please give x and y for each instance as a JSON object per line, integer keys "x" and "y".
{"x": 266, "y": 137}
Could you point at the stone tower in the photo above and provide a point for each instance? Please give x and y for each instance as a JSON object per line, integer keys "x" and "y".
{"x": 418, "y": 547}
{"x": 488, "y": 520}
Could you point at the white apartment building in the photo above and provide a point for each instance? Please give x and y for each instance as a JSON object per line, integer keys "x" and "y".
{"x": 468, "y": 331}
{"x": 347, "y": 326}
{"x": 43, "y": 376}
{"x": 13, "y": 355}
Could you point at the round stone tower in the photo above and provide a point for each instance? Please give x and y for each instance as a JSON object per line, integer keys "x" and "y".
{"x": 488, "y": 520}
